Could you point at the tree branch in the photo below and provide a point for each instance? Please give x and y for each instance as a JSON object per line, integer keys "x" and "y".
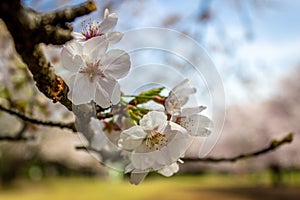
{"x": 30, "y": 28}
{"x": 25, "y": 118}
{"x": 16, "y": 138}
{"x": 273, "y": 145}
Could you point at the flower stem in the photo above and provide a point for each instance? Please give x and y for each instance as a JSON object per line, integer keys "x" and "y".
{"x": 135, "y": 96}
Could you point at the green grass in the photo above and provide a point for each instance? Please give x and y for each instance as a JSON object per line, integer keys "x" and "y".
{"x": 155, "y": 187}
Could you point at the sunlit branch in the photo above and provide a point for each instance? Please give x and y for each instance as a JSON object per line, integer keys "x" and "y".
{"x": 25, "y": 118}
{"x": 272, "y": 146}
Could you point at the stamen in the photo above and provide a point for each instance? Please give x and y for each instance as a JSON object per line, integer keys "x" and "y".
{"x": 91, "y": 29}
{"x": 92, "y": 70}
{"x": 156, "y": 140}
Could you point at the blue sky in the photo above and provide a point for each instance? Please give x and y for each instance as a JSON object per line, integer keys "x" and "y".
{"x": 258, "y": 44}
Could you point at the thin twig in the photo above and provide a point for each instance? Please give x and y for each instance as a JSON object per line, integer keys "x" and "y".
{"x": 16, "y": 138}
{"x": 25, "y": 118}
{"x": 273, "y": 145}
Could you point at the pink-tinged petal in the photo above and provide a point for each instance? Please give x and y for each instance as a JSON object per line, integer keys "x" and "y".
{"x": 108, "y": 23}
{"x": 136, "y": 178}
{"x": 99, "y": 140}
{"x": 153, "y": 120}
{"x": 169, "y": 170}
{"x": 114, "y": 37}
{"x": 95, "y": 48}
{"x": 116, "y": 63}
{"x": 196, "y": 125}
{"x": 70, "y": 61}
{"x": 83, "y": 89}
{"x": 132, "y": 138}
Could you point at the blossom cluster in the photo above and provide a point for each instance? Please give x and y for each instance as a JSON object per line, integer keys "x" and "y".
{"x": 93, "y": 69}
{"x": 145, "y": 139}
{"x": 152, "y": 140}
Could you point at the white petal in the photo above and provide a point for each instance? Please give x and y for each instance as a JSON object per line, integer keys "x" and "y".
{"x": 131, "y": 138}
{"x": 53, "y": 54}
{"x": 110, "y": 88}
{"x": 116, "y": 63}
{"x": 71, "y": 61}
{"x": 99, "y": 140}
{"x": 153, "y": 120}
{"x": 136, "y": 178}
{"x": 106, "y": 13}
{"x": 183, "y": 88}
{"x": 70, "y": 83}
{"x": 78, "y": 36}
{"x": 178, "y": 142}
{"x": 143, "y": 161}
{"x": 74, "y": 47}
{"x": 129, "y": 167}
{"x": 173, "y": 104}
{"x": 95, "y": 48}
{"x": 169, "y": 170}
{"x": 192, "y": 111}
{"x": 114, "y": 37}
{"x": 196, "y": 125}
{"x": 116, "y": 94}
{"x": 102, "y": 97}
{"x": 180, "y": 93}
{"x": 83, "y": 89}
{"x": 108, "y": 23}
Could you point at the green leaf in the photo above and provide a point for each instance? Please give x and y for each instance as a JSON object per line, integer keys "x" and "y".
{"x": 144, "y": 97}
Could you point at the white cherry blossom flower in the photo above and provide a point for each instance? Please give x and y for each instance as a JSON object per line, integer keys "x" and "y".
{"x": 188, "y": 117}
{"x": 104, "y": 29}
{"x": 94, "y": 71}
{"x": 154, "y": 144}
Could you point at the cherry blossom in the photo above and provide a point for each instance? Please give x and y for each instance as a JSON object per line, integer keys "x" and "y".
{"x": 188, "y": 117}
{"x": 104, "y": 29}
{"x": 153, "y": 145}
{"x": 94, "y": 72}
